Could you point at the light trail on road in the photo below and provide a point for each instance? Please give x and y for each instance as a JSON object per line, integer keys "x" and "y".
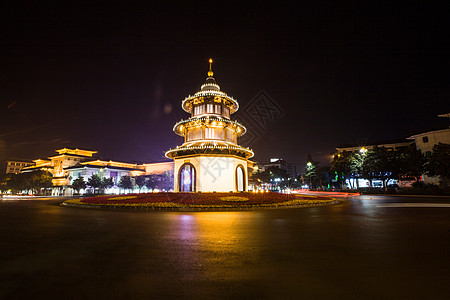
{"x": 414, "y": 205}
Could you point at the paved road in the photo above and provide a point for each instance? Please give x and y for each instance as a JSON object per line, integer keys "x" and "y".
{"x": 367, "y": 247}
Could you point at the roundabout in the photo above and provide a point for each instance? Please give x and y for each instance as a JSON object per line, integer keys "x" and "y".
{"x": 200, "y": 201}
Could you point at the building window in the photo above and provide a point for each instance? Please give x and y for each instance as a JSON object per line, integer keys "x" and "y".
{"x": 230, "y": 136}
{"x": 209, "y": 133}
{"x": 214, "y": 133}
{"x": 218, "y": 110}
{"x": 240, "y": 179}
{"x": 425, "y": 139}
{"x": 199, "y": 110}
{"x": 209, "y": 108}
{"x": 428, "y": 154}
{"x": 186, "y": 178}
{"x": 219, "y": 133}
{"x": 226, "y": 112}
{"x": 194, "y": 134}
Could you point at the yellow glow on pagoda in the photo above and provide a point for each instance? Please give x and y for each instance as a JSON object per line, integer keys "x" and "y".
{"x": 210, "y": 139}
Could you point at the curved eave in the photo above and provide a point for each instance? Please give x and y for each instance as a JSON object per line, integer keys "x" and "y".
{"x": 208, "y": 121}
{"x": 233, "y": 107}
{"x": 209, "y": 149}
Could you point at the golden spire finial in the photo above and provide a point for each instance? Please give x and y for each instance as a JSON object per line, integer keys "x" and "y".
{"x": 210, "y": 72}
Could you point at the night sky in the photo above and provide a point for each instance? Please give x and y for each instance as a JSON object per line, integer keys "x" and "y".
{"x": 110, "y": 76}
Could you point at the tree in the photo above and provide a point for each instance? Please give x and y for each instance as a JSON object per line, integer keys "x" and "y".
{"x": 412, "y": 162}
{"x": 439, "y": 163}
{"x": 40, "y": 180}
{"x": 78, "y": 184}
{"x": 94, "y": 182}
{"x": 382, "y": 164}
{"x": 140, "y": 182}
{"x": 166, "y": 182}
{"x": 342, "y": 166}
{"x": 19, "y": 182}
{"x": 260, "y": 177}
{"x": 348, "y": 165}
{"x": 160, "y": 181}
{"x": 106, "y": 183}
{"x": 125, "y": 183}
{"x": 323, "y": 177}
{"x": 311, "y": 171}
{"x": 152, "y": 181}
{"x": 4, "y": 179}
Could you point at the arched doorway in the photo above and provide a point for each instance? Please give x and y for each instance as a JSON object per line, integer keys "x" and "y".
{"x": 186, "y": 178}
{"x": 240, "y": 179}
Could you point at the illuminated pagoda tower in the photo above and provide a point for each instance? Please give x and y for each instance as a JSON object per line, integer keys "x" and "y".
{"x": 210, "y": 160}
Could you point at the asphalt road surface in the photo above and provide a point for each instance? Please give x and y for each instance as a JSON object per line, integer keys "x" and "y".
{"x": 368, "y": 247}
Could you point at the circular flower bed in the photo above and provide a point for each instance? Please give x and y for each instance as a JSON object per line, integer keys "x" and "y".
{"x": 234, "y": 199}
{"x": 121, "y": 198}
{"x": 201, "y": 200}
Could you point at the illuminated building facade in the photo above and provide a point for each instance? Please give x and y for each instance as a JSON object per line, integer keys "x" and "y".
{"x": 425, "y": 142}
{"x": 210, "y": 159}
{"x": 57, "y": 165}
{"x": 70, "y": 164}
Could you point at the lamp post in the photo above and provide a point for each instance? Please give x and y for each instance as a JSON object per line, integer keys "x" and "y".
{"x": 308, "y": 168}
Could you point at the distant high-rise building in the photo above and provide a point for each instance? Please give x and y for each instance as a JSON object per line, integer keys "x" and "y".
{"x": 14, "y": 166}
{"x": 289, "y": 168}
